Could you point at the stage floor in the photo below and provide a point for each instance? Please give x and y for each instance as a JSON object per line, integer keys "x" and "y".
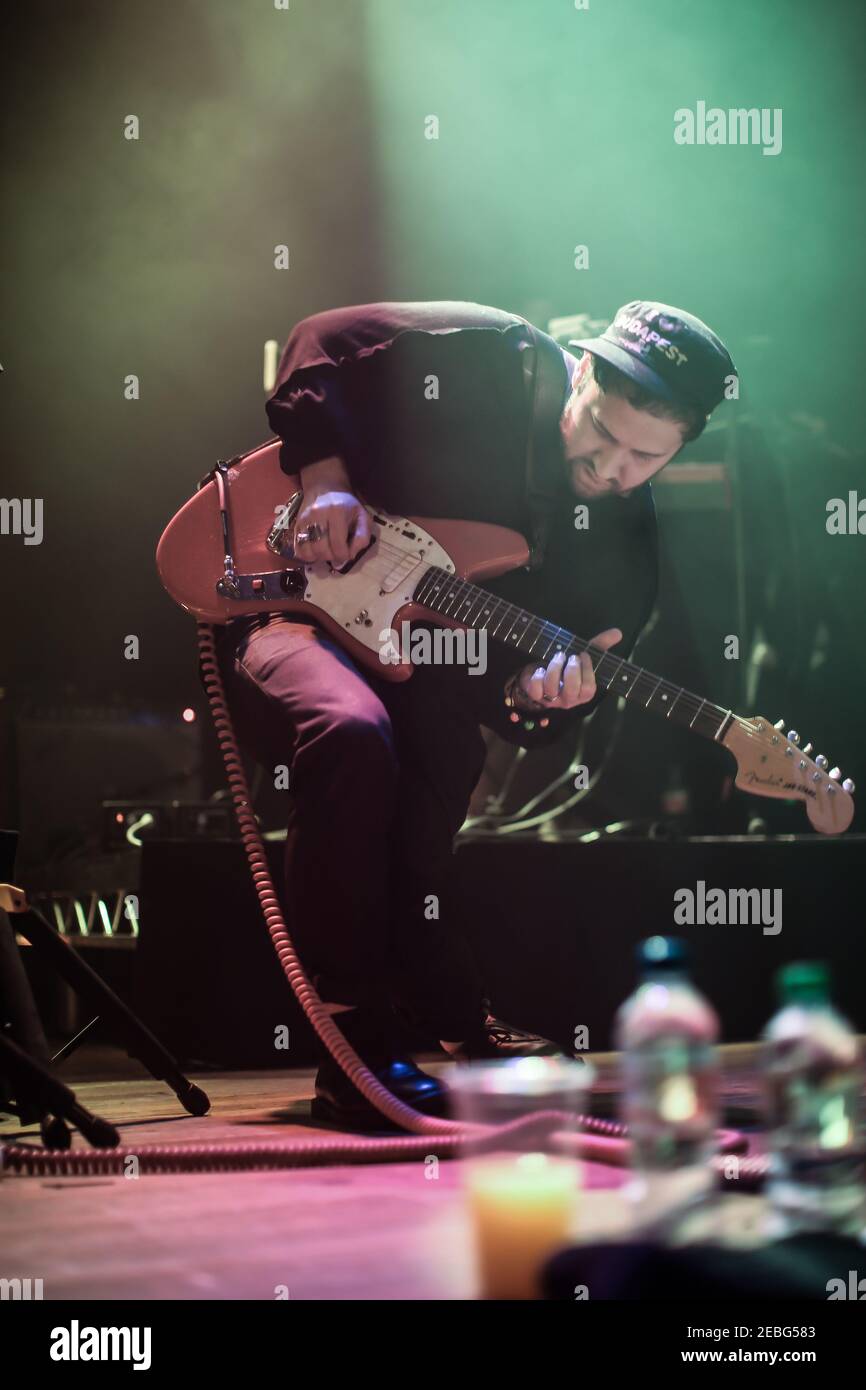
{"x": 383, "y": 1232}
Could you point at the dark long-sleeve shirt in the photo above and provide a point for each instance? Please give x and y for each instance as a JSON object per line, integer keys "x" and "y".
{"x": 427, "y": 406}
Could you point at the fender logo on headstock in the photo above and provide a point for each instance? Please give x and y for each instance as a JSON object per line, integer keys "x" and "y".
{"x": 753, "y": 778}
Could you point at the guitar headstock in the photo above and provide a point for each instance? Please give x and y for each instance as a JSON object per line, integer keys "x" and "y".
{"x": 771, "y": 763}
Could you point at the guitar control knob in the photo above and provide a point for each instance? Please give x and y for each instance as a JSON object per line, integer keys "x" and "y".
{"x": 793, "y": 736}
{"x": 836, "y": 773}
{"x": 848, "y": 786}
{"x": 821, "y": 761}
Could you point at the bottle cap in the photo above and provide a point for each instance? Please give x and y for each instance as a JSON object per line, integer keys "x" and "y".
{"x": 803, "y": 979}
{"x": 662, "y": 954}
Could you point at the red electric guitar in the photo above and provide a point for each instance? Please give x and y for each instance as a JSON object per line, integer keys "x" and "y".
{"x": 228, "y": 552}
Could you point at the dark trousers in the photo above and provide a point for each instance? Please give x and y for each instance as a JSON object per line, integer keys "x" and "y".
{"x": 380, "y": 775}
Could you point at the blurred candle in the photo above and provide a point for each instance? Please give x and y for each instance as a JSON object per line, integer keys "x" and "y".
{"x": 520, "y": 1171}
{"x": 522, "y": 1207}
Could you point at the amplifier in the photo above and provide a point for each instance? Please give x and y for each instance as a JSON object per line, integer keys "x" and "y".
{"x": 207, "y": 979}
{"x": 71, "y": 760}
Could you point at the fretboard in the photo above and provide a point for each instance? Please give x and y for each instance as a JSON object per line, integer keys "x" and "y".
{"x": 464, "y": 603}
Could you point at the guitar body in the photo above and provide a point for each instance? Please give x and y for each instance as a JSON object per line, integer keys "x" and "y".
{"x": 356, "y": 605}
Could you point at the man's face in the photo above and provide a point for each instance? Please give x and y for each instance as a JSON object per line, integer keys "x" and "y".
{"x": 610, "y": 446}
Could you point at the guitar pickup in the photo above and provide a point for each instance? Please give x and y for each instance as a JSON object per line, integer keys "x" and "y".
{"x": 399, "y": 574}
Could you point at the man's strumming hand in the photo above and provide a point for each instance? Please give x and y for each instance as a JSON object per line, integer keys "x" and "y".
{"x": 329, "y": 504}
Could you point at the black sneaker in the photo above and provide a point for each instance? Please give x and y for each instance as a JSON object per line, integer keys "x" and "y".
{"x": 493, "y": 1038}
{"x": 375, "y": 1036}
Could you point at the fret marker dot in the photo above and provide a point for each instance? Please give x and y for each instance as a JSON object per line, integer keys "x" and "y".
{"x": 664, "y": 697}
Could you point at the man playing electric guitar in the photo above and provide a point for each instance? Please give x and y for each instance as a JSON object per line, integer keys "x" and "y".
{"x": 423, "y": 409}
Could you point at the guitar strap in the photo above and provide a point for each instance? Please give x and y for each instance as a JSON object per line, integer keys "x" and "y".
{"x": 545, "y": 375}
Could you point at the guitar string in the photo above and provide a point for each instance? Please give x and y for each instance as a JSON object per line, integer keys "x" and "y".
{"x": 689, "y": 701}
{"x": 687, "y": 698}
{"x": 682, "y": 695}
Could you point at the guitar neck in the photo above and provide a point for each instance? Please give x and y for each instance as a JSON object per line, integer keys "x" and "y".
{"x": 469, "y": 606}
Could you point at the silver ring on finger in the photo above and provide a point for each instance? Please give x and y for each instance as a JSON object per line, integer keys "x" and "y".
{"x": 313, "y": 532}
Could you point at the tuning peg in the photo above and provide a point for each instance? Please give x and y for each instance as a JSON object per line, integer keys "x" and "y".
{"x": 779, "y": 724}
{"x": 821, "y": 761}
{"x": 836, "y": 773}
{"x": 848, "y": 786}
{"x": 793, "y": 736}
{"x": 808, "y": 748}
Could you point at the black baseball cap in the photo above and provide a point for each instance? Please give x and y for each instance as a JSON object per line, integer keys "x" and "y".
{"x": 668, "y": 351}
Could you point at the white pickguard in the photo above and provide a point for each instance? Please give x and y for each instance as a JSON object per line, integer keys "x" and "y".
{"x": 365, "y": 601}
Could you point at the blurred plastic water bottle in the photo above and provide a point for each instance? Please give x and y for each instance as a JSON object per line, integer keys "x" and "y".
{"x": 666, "y": 1032}
{"x": 813, "y": 1079}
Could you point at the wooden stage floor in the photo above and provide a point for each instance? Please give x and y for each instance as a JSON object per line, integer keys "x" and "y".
{"x": 368, "y": 1232}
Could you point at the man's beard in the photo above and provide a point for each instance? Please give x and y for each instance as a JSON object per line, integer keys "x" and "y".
{"x": 585, "y": 485}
